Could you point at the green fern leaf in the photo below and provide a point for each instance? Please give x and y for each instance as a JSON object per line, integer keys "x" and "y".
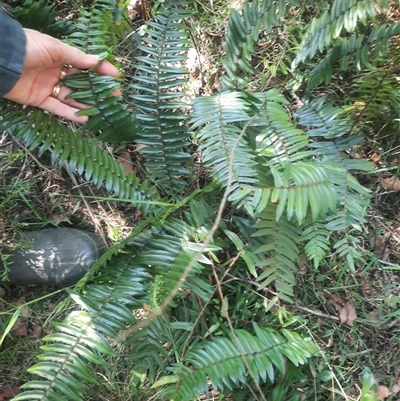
{"x": 277, "y": 137}
{"x": 280, "y": 252}
{"x": 39, "y": 131}
{"x": 317, "y": 242}
{"x": 221, "y": 141}
{"x": 225, "y": 362}
{"x": 325, "y": 121}
{"x": 109, "y": 116}
{"x": 343, "y": 15}
{"x": 357, "y": 46}
{"x": 41, "y": 16}
{"x": 83, "y": 335}
{"x": 242, "y": 34}
{"x": 301, "y": 185}
{"x": 157, "y": 97}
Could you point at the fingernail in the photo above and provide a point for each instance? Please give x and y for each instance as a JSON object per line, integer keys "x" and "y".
{"x": 95, "y": 59}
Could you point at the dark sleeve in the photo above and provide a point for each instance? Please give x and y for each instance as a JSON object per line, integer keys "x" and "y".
{"x": 12, "y": 52}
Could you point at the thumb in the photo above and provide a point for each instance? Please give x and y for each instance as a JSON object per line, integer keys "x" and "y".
{"x": 72, "y": 56}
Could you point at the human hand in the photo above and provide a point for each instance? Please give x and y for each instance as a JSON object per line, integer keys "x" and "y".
{"x": 44, "y": 60}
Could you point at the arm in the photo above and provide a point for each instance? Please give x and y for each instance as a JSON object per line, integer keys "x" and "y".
{"x": 12, "y": 52}
{"x": 43, "y": 57}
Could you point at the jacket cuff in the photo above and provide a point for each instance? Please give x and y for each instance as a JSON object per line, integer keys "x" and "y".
{"x": 12, "y": 52}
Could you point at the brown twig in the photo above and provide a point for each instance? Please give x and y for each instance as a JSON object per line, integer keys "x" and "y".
{"x": 315, "y": 312}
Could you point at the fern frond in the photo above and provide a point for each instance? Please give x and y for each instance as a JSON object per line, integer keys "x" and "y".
{"x": 354, "y": 200}
{"x": 280, "y": 252}
{"x": 343, "y": 14}
{"x": 277, "y": 138}
{"x": 296, "y": 188}
{"x": 281, "y": 147}
{"x": 38, "y": 131}
{"x": 148, "y": 353}
{"x": 41, "y": 16}
{"x": 325, "y": 121}
{"x": 317, "y": 242}
{"x": 92, "y": 30}
{"x": 109, "y": 116}
{"x": 224, "y": 362}
{"x": 221, "y": 140}
{"x": 242, "y": 34}
{"x": 380, "y": 36}
{"x": 378, "y": 90}
{"x": 168, "y": 258}
{"x": 145, "y": 271}
{"x": 157, "y": 97}
{"x": 300, "y": 185}
{"x": 83, "y": 336}
{"x": 225, "y": 147}
{"x": 171, "y": 250}
{"x": 357, "y": 46}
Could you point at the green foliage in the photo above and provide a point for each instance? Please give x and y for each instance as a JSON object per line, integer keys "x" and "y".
{"x": 109, "y": 116}
{"x": 38, "y": 131}
{"x": 353, "y": 36}
{"x": 243, "y": 33}
{"x": 263, "y": 354}
{"x": 157, "y": 91}
{"x": 41, "y": 15}
{"x": 283, "y": 179}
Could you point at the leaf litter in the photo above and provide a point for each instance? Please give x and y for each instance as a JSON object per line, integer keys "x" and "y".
{"x": 392, "y": 183}
{"x": 383, "y": 392}
{"x": 347, "y": 312}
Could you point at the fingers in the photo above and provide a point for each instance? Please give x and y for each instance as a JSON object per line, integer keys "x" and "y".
{"x": 78, "y": 60}
{"x": 106, "y": 68}
{"x": 55, "y": 106}
{"x": 72, "y": 56}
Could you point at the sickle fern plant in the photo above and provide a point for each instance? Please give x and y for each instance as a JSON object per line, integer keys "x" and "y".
{"x": 280, "y": 180}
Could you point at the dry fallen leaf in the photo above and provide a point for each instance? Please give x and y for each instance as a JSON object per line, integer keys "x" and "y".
{"x": 381, "y": 249}
{"x": 9, "y": 392}
{"x": 348, "y": 314}
{"x": 383, "y": 392}
{"x": 37, "y": 329}
{"x": 126, "y": 161}
{"x": 395, "y": 389}
{"x": 374, "y": 157}
{"x": 139, "y": 9}
{"x": 392, "y": 183}
{"x": 19, "y": 329}
{"x": 337, "y": 301}
{"x": 140, "y": 146}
